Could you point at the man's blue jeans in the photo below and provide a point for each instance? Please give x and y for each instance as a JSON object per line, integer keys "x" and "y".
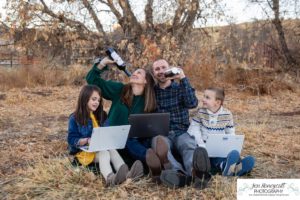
{"x": 185, "y": 145}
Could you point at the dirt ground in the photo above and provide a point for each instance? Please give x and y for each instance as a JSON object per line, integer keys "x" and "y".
{"x": 33, "y": 130}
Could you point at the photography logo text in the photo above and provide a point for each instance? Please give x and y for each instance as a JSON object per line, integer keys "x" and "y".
{"x": 268, "y": 189}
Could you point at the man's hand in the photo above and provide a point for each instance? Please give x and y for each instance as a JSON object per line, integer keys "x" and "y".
{"x": 179, "y": 76}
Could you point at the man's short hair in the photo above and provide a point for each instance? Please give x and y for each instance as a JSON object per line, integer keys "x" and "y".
{"x": 160, "y": 60}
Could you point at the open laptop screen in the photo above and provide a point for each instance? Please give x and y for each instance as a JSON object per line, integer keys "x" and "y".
{"x": 106, "y": 138}
{"x": 219, "y": 145}
{"x": 149, "y": 124}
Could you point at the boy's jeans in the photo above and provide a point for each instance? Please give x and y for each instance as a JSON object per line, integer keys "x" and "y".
{"x": 216, "y": 163}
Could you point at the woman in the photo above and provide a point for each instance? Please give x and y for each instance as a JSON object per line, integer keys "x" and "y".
{"x": 135, "y": 97}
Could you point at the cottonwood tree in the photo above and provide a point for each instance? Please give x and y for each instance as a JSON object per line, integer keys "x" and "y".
{"x": 161, "y": 29}
{"x": 275, "y": 13}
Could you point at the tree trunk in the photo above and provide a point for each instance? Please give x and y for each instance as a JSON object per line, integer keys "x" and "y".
{"x": 291, "y": 62}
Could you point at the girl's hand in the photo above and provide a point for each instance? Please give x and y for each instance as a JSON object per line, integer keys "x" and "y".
{"x": 105, "y": 61}
{"x": 83, "y": 141}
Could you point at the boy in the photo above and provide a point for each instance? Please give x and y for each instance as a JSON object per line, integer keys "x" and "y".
{"x": 213, "y": 118}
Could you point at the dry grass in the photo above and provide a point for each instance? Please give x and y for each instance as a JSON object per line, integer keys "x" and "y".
{"x": 56, "y": 179}
{"x": 32, "y": 76}
{"x": 35, "y": 165}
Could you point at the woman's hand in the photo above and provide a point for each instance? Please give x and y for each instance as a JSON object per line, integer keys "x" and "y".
{"x": 105, "y": 61}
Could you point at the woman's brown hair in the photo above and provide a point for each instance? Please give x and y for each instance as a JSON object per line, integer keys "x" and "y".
{"x": 82, "y": 113}
{"x": 149, "y": 95}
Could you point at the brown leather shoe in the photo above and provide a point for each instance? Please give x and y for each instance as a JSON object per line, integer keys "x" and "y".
{"x": 161, "y": 150}
{"x": 153, "y": 163}
{"x": 201, "y": 168}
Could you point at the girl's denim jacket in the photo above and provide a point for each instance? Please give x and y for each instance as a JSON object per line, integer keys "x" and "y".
{"x": 76, "y": 132}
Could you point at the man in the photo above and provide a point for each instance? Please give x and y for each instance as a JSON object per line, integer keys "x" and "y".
{"x": 176, "y": 96}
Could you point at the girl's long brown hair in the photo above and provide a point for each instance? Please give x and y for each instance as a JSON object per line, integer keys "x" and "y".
{"x": 150, "y": 100}
{"x": 82, "y": 113}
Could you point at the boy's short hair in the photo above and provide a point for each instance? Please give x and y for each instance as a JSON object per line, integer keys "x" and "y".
{"x": 220, "y": 93}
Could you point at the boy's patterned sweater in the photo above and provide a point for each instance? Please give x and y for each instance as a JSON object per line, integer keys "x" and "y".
{"x": 207, "y": 122}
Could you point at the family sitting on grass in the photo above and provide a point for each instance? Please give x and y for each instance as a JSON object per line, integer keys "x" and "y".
{"x": 178, "y": 160}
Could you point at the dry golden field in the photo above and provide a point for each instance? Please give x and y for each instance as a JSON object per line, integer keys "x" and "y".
{"x": 35, "y": 163}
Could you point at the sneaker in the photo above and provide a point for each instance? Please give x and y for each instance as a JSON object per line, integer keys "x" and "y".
{"x": 136, "y": 171}
{"x": 161, "y": 150}
{"x": 201, "y": 168}
{"x": 153, "y": 163}
{"x": 231, "y": 161}
{"x": 245, "y": 166}
{"x": 117, "y": 178}
{"x": 174, "y": 179}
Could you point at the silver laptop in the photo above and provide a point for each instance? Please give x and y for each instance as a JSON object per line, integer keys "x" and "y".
{"x": 106, "y": 138}
{"x": 149, "y": 124}
{"x": 219, "y": 145}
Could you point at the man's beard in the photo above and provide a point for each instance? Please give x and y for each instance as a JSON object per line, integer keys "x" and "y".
{"x": 161, "y": 79}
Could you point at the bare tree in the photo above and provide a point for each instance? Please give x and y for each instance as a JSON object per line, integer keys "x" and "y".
{"x": 276, "y": 20}
{"x": 84, "y": 17}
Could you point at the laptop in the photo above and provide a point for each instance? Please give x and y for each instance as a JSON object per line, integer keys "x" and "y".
{"x": 219, "y": 145}
{"x": 149, "y": 125}
{"x": 106, "y": 138}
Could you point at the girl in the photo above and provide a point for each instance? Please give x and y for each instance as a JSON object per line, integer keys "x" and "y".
{"x": 89, "y": 114}
{"x": 135, "y": 97}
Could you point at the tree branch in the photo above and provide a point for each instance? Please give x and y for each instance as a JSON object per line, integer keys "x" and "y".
{"x": 132, "y": 29}
{"x": 191, "y": 14}
{"x": 99, "y": 26}
{"x": 184, "y": 18}
{"x": 149, "y": 15}
{"x": 4, "y": 25}
{"x": 178, "y": 14}
{"x": 72, "y": 23}
{"x": 111, "y": 5}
